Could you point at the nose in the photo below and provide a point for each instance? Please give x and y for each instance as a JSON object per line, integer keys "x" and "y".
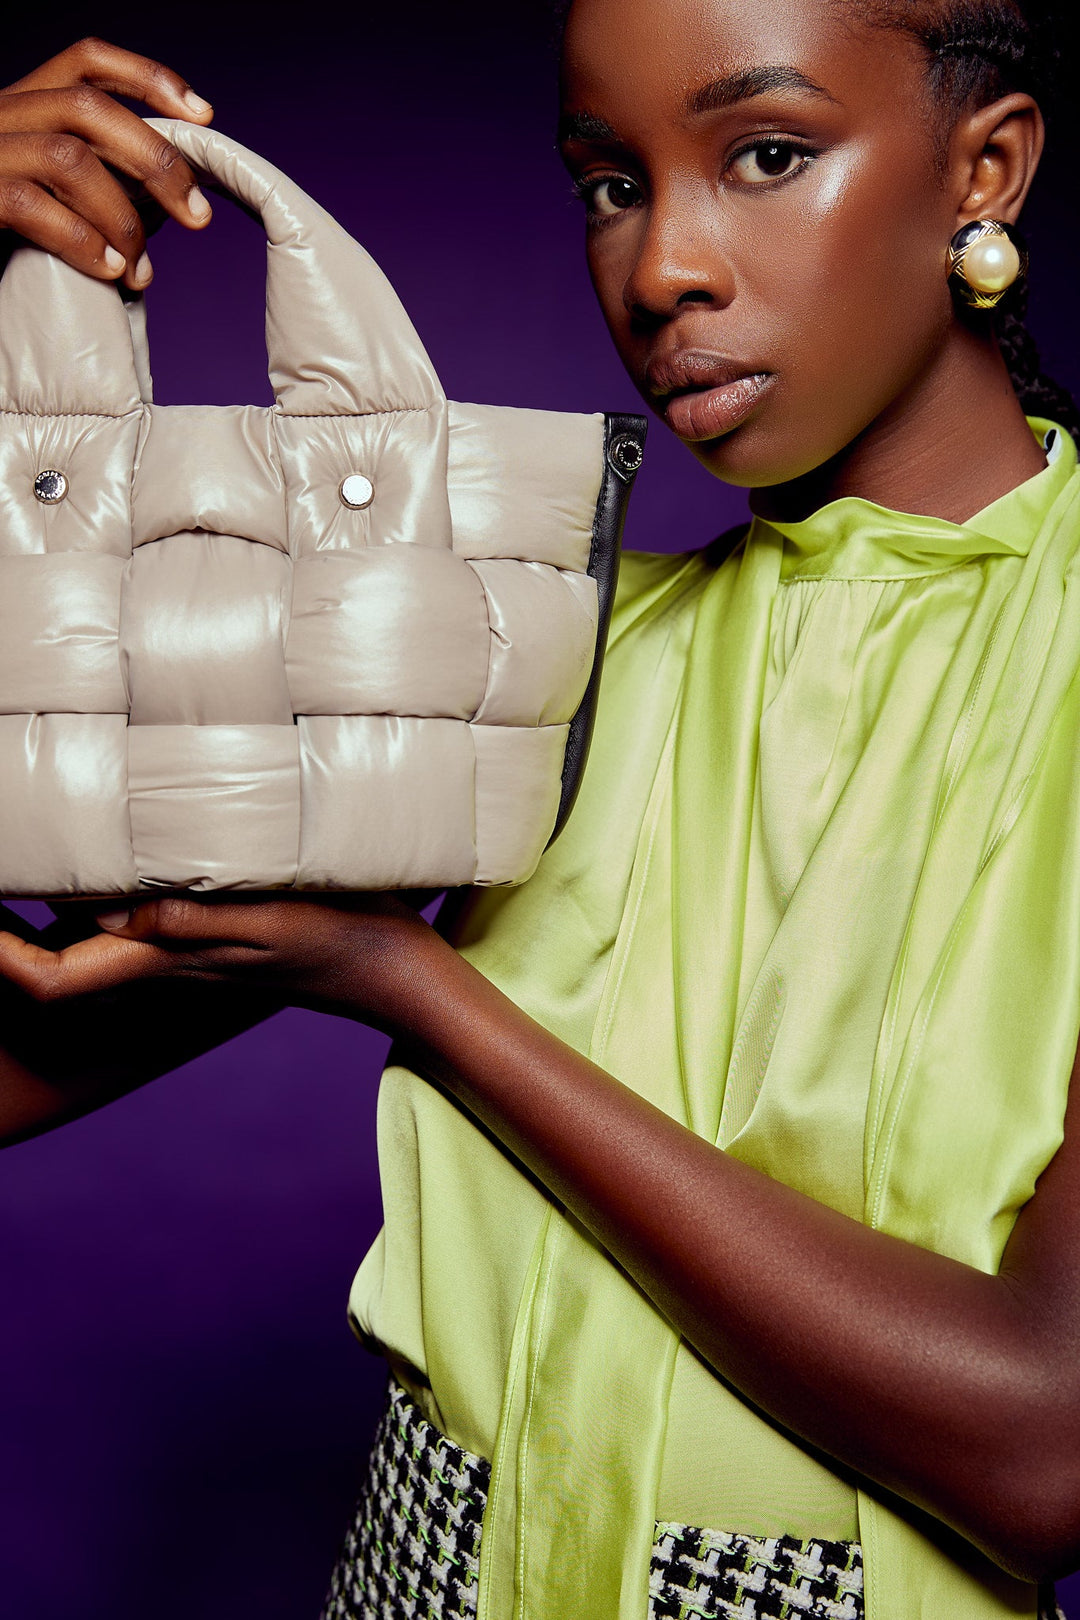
{"x": 680, "y": 259}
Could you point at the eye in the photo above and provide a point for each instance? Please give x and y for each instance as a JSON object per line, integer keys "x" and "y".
{"x": 609, "y": 195}
{"x": 768, "y": 161}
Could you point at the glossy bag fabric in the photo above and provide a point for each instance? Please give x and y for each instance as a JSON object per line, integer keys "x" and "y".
{"x": 342, "y": 642}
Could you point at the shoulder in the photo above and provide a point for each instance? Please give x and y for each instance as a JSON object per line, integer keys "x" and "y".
{"x": 656, "y": 587}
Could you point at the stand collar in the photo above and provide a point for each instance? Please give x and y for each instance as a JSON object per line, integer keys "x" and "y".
{"x": 852, "y": 538}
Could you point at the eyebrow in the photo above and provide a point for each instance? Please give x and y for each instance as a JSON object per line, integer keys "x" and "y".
{"x": 584, "y": 126}
{"x": 712, "y": 97}
{"x": 733, "y": 87}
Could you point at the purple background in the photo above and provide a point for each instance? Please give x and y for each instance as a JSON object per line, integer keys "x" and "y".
{"x": 185, "y": 1411}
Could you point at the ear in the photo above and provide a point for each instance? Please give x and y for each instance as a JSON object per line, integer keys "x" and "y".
{"x": 993, "y": 155}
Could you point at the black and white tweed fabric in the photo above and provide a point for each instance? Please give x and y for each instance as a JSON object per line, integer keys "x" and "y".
{"x": 715, "y": 1575}
{"x": 413, "y": 1549}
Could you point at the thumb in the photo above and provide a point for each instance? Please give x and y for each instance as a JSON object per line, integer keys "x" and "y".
{"x": 113, "y": 921}
{"x": 179, "y": 919}
{"x": 167, "y": 919}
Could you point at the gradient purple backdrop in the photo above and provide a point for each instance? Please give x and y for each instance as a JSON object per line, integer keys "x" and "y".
{"x": 185, "y": 1411}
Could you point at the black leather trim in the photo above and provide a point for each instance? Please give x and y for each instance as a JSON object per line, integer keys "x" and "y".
{"x": 625, "y": 433}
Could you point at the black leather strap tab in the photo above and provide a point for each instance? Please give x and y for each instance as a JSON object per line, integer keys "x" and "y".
{"x": 624, "y": 445}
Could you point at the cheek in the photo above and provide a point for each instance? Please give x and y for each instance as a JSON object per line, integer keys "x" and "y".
{"x": 851, "y": 306}
{"x": 609, "y": 256}
{"x": 863, "y": 311}
{"x": 867, "y": 255}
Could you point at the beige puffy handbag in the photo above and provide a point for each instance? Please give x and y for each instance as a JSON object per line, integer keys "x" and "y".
{"x": 351, "y": 641}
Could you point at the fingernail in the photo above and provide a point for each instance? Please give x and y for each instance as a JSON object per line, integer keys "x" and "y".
{"x": 114, "y": 260}
{"x": 196, "y": 103}
{"x": 143, "y": 270}
{"x": 198, "y": 206}
{"x": 114, "y": 919}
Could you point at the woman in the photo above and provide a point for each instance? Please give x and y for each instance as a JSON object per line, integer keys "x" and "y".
{"x": 714, "y": 1261}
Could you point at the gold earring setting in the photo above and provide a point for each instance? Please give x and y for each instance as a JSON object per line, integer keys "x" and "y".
{"x": 985, "y": 259}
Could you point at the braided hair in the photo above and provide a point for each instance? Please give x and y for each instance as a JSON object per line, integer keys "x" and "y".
{"x": 978, "y": 51}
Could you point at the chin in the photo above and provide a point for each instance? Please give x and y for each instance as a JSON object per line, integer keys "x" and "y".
{"x": 766, "y": 451}
{"x": 751, "y": 458}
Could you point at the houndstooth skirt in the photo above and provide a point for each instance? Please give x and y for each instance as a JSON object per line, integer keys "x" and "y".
{"x": 413, "y": 1549}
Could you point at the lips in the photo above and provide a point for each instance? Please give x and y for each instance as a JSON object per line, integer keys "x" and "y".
{"x": 702, "y": 395}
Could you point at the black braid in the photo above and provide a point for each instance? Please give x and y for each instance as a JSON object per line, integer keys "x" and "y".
{"x": 1039, "y": 394}
{"x": 979, "y": 50}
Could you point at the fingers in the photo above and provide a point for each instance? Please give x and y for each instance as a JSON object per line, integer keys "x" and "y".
{"x": 173, "y": 920}
{"x": 98, "y": 963}
{"x": 60, "y": 127}
{"x": 55, "y": 193}
{"x": 95, "y": 62}
{"x": 260, "y": 934}
{"x": 170, "y": 937}
{"x": 117, "y": 136}
{"x": 57, "y": 144}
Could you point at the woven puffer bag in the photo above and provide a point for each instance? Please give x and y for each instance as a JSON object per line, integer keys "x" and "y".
{"x": 349, "y": 641}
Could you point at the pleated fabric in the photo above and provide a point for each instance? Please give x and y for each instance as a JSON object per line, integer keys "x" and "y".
{"x": 817, "y": 900}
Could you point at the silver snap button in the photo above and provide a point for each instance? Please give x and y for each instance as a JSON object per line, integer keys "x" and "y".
{"x": 356, "y": 491}
{"x": 625, "y": 454}
{"x": 50, "y": 486}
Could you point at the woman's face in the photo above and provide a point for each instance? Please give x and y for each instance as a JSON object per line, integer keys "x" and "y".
{"x": 767, "y": 219}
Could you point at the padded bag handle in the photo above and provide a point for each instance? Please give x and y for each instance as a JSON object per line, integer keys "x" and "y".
{"x": 341, "y": 642}
{"x": 325, "y": 295}
{"x": 326, "y": 298}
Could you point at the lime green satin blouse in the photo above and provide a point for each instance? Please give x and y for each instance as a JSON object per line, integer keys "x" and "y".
{"x": 818, "y": 899}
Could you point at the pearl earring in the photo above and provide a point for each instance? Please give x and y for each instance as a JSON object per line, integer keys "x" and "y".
{"x": 985, "y": 259}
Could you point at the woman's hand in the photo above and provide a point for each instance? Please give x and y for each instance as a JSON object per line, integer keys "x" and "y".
{"x": 88, "y": 1014}
{"x": 61, "y": 132}
{"x": 355, "y": 954}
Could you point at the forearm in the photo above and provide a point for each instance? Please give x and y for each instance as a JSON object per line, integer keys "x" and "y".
{"x": 925, "y": 1375}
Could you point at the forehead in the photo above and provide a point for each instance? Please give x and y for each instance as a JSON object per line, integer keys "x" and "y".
{"x": 619, "y": 51}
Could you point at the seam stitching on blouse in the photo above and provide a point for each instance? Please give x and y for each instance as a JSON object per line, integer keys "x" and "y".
{"x": 598, "y": 1050}
{"x": 883, "y": 579}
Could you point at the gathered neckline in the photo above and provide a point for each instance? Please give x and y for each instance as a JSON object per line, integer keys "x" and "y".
{"x": 852, "y": 538}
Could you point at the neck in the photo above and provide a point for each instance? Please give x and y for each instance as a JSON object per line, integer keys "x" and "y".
{"x": 950, "y": 445}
